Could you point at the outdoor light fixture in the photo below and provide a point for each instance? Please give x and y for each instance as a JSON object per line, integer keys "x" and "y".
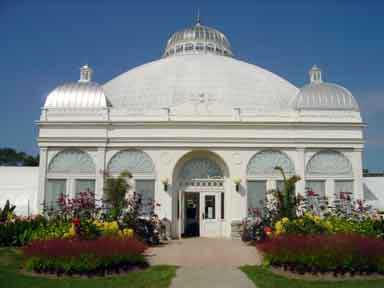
{"x": 164, "y": 180}
{"x": 237, "y": 181}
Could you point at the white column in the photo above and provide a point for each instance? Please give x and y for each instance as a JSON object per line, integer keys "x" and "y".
{"x": 100, "y": 169}
{"x": 300, "y": 171}
{"x": 357, "y": 166}
{"x": 42, "y": 179}
{"x": 330, "y": 190}
{"x": 271, "y": 185}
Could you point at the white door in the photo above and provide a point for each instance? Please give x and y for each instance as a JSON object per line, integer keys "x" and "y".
{"x": 209, "y": 215}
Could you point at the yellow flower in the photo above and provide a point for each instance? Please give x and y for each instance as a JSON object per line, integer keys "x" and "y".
{"x": 279, "y": 228}
{"x": 71, "y": 232}
{"x": 285, "y": 220}
{"x": 126, "y": 233}
{"x": 316, "y": 218}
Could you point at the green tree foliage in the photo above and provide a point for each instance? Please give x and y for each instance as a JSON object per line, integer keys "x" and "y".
{"x": 287, "y": 198}
{"x": 115, "y": 190}
{"x": 6, "y": 212}
{"x": 11, "y": 157}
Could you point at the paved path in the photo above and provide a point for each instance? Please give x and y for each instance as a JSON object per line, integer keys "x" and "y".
{"x": 205, "y": 252}
{"x": 203, "y": 277}
{"x": 207, "y": 262}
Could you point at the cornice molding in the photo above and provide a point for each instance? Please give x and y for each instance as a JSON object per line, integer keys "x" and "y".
{"x": 197, "y": 140}
{"x": 198, "y": 124}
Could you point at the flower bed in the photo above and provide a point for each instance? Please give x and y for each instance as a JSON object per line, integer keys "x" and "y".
{"x": 339, "y": 253}
{"x": 309, "y": 224}
{"x": 84, "y": 257}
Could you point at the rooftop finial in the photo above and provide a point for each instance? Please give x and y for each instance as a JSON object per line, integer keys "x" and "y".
{"x": 85, "y": 74}
{"x": 315, "y": 75}
{"x": 198, "y": 20}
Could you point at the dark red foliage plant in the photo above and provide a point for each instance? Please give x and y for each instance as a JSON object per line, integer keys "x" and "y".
{"x": 338, "y": 253}
{"x": 102, "y": 247}
{"x": 84, "y": 257}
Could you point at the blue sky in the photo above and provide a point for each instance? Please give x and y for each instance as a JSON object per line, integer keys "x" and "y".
{"x": 43, "y": 43}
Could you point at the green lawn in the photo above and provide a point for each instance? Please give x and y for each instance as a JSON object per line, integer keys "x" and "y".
{"x": 263, "y": 278}
{"x": 10, "y": 261}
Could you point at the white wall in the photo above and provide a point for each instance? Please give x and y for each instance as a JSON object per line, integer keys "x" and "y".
{"x": 375, "y": 186}
{"x": 19, "y": 185}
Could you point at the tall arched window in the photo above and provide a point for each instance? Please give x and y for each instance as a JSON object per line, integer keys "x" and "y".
{"x": 329, "y": 164}
{"x": 141, "y": 166}
{"x": 260, "y": 169}
{"x": 134, "y": 161}
{"x": 70, "y": 172}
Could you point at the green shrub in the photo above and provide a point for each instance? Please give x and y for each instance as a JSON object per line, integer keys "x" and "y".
{"x": 52, "y": 229}
{"x": 19, "y": 231}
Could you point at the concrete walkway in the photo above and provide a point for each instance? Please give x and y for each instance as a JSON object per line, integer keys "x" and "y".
{"x": 208, "y": 277}
{"x": 205, "y": 252}
{"x": 207, "y": 262}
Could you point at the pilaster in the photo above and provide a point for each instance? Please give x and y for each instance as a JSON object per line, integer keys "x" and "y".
{"x": 42, "y": 178}
{"x": 300, "y": 170}
{"x": 100, "y": 169}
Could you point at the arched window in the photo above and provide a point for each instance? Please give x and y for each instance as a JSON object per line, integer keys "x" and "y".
{"x": 134, "y": 161}
{"x": 201, "y": 168}
{"x": 70, "y": 172}
{"x": 329, "y": 164}
{"x": 261, "y": 168}
{"x": 72, "y": 161}
{"x": 141, "y": 166}
{"x": 263, "y": 164}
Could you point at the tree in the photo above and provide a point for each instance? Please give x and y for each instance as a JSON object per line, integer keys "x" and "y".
{"x": 115, "y": 190}
{"x": 287, "y": 198}
{"x": 10, "y": 157}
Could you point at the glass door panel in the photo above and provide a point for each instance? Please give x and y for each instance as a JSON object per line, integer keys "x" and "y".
{"x": 209, "y": 210}
{"x": 210, "y": 207}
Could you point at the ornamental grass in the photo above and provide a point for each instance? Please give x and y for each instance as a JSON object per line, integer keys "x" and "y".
{"x": 84, "y": 257}
{"x": 338, "y": 253}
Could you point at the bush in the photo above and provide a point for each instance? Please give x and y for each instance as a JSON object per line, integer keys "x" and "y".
{"x": 339, "y": 253}
{"x": 305, "y": 225}
{"x": 84, "y": 257}
{"x": 83, "y": 206}
{"x": 19, "y": 230}
{"x": 51, "y": 229}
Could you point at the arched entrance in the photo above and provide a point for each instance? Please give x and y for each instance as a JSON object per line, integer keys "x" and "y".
{"x": 199, "y": 195}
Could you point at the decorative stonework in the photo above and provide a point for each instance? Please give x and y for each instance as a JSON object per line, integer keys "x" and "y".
{"x": 264, "y": 162}
{"x": 72, "y": 161}
{"x": 329, "y": 162}
{"x": 134, "y": 161}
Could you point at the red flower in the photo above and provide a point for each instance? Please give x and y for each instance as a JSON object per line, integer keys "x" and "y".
{"x": 311, "y": 193}
{"x": 267, "y": 230}
{"x": 76, "y": 221}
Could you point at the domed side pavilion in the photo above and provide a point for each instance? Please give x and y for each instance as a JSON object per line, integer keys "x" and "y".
{"x": 201, "y": 133}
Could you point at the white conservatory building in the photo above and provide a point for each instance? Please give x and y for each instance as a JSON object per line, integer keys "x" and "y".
{"x": 201, "y": 133}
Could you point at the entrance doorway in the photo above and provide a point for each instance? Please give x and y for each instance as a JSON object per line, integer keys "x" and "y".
{"x": 199, "y": 198}
{"x": 202, "y": 214}
{"x": 192, "y": 214}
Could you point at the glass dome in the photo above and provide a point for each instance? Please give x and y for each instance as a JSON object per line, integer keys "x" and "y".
{"x": 198, "y": 39}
